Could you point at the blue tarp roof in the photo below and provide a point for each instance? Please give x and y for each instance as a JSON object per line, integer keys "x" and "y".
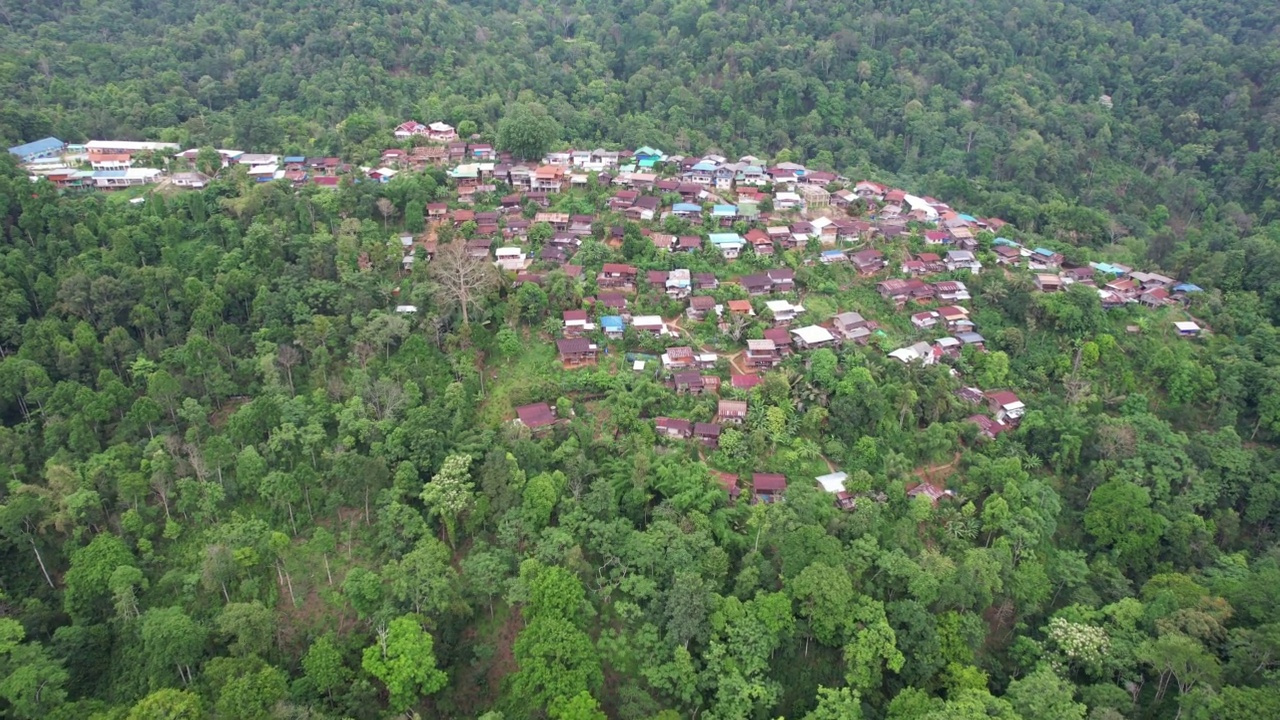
{"x": 1043, "y": 251}
{"x": 686, "y": 207}
{"x": 1187, "y": 287}
{"x": 1107, "y": 268}
{"x": 612, "y": 322}
{"x": 968, "y": 218}
{"x": 295, "y": 159}
{"x": 724, "y": 210}
{"x": 832, "y": 253}
{"x": 722, "y": 238}
{"x": 37, "y": 147}
{"x": 1005, "y": 241}
{"x": 705, "y": 166}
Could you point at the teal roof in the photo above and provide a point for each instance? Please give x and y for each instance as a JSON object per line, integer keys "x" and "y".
{"x": 725, "y": 238}
{"x": 724, "y": 210}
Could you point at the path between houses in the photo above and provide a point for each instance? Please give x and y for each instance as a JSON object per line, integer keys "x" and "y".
{"x": 733, "y": 358}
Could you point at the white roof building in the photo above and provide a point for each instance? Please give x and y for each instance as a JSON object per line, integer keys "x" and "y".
{"x": 811, "y": 335}
{"x": 833, "y": 482}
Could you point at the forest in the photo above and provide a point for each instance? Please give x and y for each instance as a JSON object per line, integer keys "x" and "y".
{"x": 239, "y": 486}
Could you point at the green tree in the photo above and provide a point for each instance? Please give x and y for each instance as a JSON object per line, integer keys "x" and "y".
{"x": 403, "y": 659}
{"x": 1043, "y": 695}
{"x": 527, "y": 131}
{"x": 323, "y": 666}
{"x": 450, "y": 494}
{"x": 167, "y": 704}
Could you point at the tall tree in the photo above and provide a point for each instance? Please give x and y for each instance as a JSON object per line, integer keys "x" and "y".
{"x": 460, "y": 280}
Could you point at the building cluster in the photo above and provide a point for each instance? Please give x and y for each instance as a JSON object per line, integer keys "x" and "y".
{"x": 730, "y": 208}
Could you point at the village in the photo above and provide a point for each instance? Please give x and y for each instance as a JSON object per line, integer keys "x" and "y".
{"x": 914, "y": 251}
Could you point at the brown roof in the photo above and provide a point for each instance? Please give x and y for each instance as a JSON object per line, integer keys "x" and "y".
{"x": 732, "y": 408}
{"x": 618, "y": 269}
{"x": 536, "y": 416}
{"x": 1003, "y": 397}
{"x": 683, "y": 352}
{"x": 779, "y": 336}
{"x": 768, "y": 482}
{"x": 702, "y": 302}
{"x": 573, "y": 346}
{"x": 684, "y": 427}
{"x": 575, "y": 315}
{"x": 706, "y": 429}
{"x": 742, "y": 306}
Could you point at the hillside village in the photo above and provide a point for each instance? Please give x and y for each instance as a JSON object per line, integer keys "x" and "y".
{"x": 710, "y": 244}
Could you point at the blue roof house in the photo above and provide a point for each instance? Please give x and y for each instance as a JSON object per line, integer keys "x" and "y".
{"x": 612, "y": 325}
{"x": 46, "y": 148}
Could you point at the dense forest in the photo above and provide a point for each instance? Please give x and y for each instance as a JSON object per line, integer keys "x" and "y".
{"x": 239, "y": 486}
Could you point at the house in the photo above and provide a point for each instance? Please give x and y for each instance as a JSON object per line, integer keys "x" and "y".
{"x": 925, "y": 320}
{"x": 705, "y": 281}
{"x": 1048, "y": 283}
{"x": 708, "y": 433}
{"x": 928, "y": 490}
{"x": 986, "y": 426}
{"x": 112, "y": 179}
{"x": 613, "y": 301}
{"x": 613, "y": 326}
{"x": 832, "y": 256}
{"x": 1125, "y": 288}
{"x": 868, "y": 262}
{"x": 783, "y": 279}
{"x": 868, "y": 190}
{"x": 729, "y": 482}
{"x": 553, "y": 255}
{"x": 971, "y": 338}
{"x": 781, "y": 338}
{"x": 686, "y": 210}
{"x": 948, "y": 291}
{"x": 1150, "y": 281}
{"x": 972, "y": 394}
{"x": 536, "y": 417}
{"x": 576, "y": 352}
{"x": 953, "y": 315}
{"x": 729, "y": 244}
{"x": 511, "y": 259}
{"x": 615, "y": 275}
{"x": 843, "y": 198}
{"x": 623, "y": 199}
{"x": 920, "y": 352}
{"x": 688, "y": 382}
{"x": 741, "y": 307}
{"x": 783, "y": 311}
{"x": 50, "y": 147}
{"x": 833, "y": 483}
{"x": 756, "y": 285}
{"x": 1006, "y": 406}
{"x": 576, "y": 323}
{"x": 441, "y": 132}
{"x": 1187, "y": 329}
{"x": 548, "y": 178}
{"x": 651, "y": 324}
{"x": 813, "y": 336}
{"x": 767, "y": 487}
{"x": 699, "y": 306}
{"x": 1154, "y": 298}
{"x": 1044, "y": 259}
{"x": 731, "y": 411}
{"x": 963, "y": 260}
{"x": 814, "y": 196}
{"x": 1078, "y": 274}
{"x": 745, "y": 382}
{"x": 1006, "y": 255}
{"x": 678, "y": 357}
{"x": 850, "y": 326}
{"x": 786, "y": 201}
{"x": 673, "y": 428}
{"x": 762, "y": 354}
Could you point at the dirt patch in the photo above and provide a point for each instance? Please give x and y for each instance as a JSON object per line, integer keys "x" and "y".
{"x": 219, "y": 417}
{"x": 479, "y": 683}
{"x": 938, "y": 474}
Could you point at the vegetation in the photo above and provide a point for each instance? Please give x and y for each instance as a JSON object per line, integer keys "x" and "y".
{"x": 239, "y": 486}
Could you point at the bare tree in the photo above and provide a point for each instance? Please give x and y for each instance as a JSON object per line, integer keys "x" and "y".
{"x": 288, "y": 357}
{"x": 461, "y": 279}
{"x": 387, "y": 209}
